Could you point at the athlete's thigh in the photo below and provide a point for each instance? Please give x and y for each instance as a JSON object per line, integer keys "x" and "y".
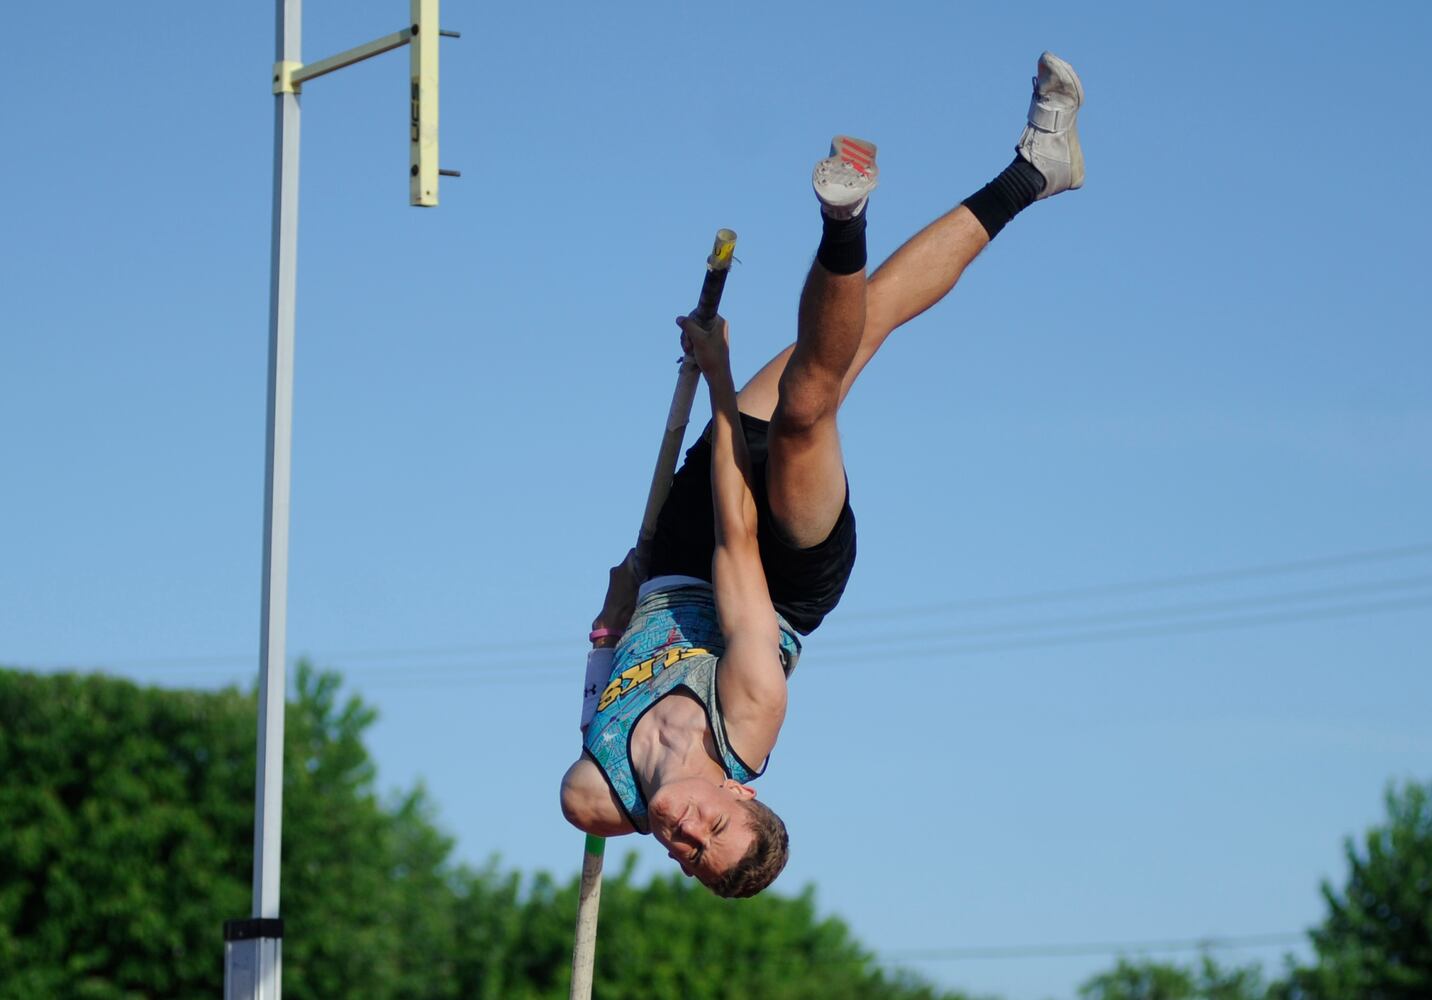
{"x": 758, "y": 397}
{"x": 805, "y": 478}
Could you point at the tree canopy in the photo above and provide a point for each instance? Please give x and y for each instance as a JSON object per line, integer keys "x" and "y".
{"x": 126, "y": 825}
{"x": 1376, "y": 941}
{"x": 1148, "y": 980}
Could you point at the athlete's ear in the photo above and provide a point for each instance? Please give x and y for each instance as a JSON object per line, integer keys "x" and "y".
{"x": 739, "y": 790}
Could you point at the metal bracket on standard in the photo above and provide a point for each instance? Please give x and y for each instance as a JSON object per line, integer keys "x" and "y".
{"x": 253, "y": 950}
{"x": 283, "y": 77}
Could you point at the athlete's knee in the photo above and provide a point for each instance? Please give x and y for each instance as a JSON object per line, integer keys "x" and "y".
{"x": 808, "y": 399}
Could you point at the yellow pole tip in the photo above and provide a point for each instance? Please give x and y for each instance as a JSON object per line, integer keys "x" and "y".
{"x": 724, "y": 249}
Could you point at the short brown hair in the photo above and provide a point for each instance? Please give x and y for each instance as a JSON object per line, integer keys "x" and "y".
{"x": 763, "y": 860}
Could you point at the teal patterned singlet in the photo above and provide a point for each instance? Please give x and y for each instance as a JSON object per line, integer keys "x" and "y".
{"x": 673, "y": 642}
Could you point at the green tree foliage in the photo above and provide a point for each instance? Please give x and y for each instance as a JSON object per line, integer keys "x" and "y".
{"x": 1374, "y": 944}
{"x": 365, "y": 887}
{"x": 126, "y": 824}
{"x": 120, "y": 846}
{"x": 669, "y": 937}
{"x": 126, "y": 829}
{"x": 1147, "y": 980}
{"x": 1376, "y": 941}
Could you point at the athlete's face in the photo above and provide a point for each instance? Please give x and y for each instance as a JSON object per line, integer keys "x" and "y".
{"x": 702, "y": 825}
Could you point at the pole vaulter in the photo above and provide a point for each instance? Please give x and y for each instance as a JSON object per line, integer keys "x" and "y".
{"x": 754, "y": 540}
{"x": 718, "y": 266}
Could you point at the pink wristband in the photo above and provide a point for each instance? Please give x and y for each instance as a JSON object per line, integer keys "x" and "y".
{"x": 603, "y": 633}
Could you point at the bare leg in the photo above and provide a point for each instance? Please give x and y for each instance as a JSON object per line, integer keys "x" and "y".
{"x": 916, "y": 276}
{"x": 806, "y": 474}
{"x": 844, "y": 321}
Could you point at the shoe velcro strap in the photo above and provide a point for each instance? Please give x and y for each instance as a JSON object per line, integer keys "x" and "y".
{"x": 1050, "y": 119}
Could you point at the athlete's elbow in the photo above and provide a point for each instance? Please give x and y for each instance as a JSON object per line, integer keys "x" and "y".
{"x": 572, "y": 805}
{"x": 580, "y": 808}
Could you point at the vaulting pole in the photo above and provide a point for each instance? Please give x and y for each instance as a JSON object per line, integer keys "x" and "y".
{"x": 589, "y": 900}
{"x": 718, "y": 266}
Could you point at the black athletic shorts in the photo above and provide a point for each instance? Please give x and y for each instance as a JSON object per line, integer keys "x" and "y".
{"x": 805, "y": 584}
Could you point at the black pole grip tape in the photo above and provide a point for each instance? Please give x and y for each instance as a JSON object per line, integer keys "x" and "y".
{"x": 710, "y": 301}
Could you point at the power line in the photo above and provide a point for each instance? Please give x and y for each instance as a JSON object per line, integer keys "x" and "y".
{"x": 1185, "y": 628}
{"x": 1077, "y": 638}
{"x": 488, "y": 672}
{"x": 791, "y": 956}
{"x": 563, "y": 647}
{"x": 1157, "y": 583}
{"x": 226, "y": 659}
{"x": 1023, "y": 635}
{"x": 1099, "y": 948}
{"x": 932, "y": 653}
{"x": 1143, "y": 614}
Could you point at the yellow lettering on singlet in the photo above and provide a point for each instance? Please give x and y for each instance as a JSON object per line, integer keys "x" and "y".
{"x": 633, "y": 677}
{"x": 609, "y": 695}
{"x": 639, "y": 674}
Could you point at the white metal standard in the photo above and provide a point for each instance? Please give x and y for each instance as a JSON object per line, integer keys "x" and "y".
{"x": 253, "y": 947}
{"x": 423, "y": 120}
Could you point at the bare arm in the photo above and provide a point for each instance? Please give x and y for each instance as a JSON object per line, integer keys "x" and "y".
{"x": 622, "y": 585}
{"x": 588, "y": 802}
{"x": 753, "y": 684}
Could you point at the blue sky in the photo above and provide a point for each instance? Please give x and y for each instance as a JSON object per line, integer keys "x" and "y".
{"x": 1213, "y": 358}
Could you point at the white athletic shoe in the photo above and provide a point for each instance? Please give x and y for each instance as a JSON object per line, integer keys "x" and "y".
{"x": 1051, "y": 139}
{"x": 845, "y": 178}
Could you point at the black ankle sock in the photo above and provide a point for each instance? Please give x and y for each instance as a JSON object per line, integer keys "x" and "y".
{"x": 1006, "y": 196}
{"x": 842, "y": 244}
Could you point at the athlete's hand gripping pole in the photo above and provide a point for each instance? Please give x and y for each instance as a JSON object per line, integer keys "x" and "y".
{"x": 718, "y": 265}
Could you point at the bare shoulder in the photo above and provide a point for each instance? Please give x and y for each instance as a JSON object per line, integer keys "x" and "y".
{"x": 588, "y": 802}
